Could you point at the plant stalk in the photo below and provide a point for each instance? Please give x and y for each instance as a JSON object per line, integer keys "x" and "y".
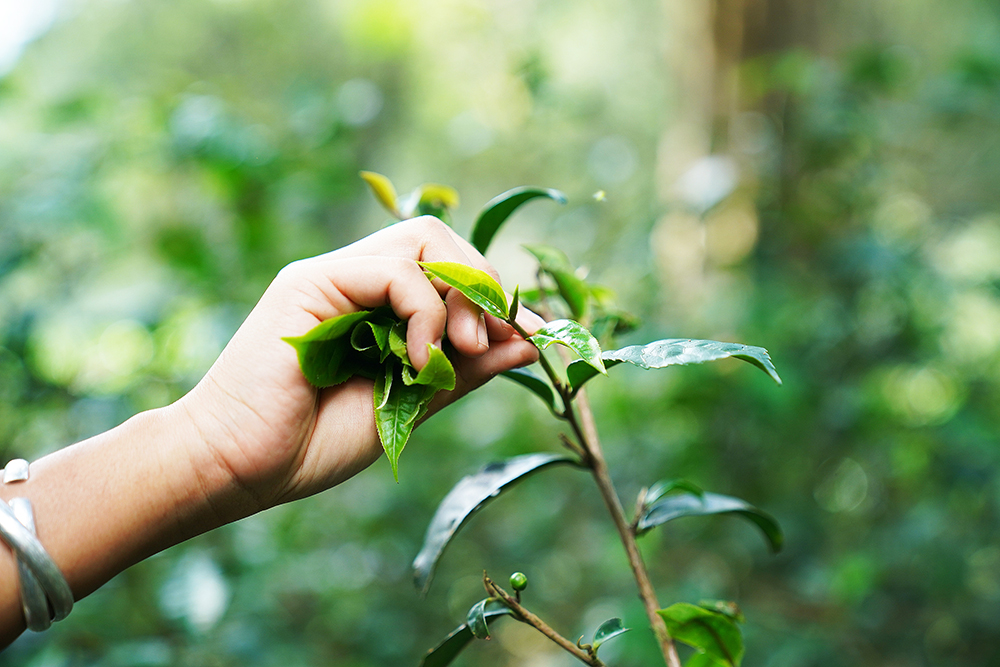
{"x": 531, "y": 619}
{"x": 585, "y": 430}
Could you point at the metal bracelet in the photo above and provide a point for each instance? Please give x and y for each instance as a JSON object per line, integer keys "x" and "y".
{"x": 37, "y": 571}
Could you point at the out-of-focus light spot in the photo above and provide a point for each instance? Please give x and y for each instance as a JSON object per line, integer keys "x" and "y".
{"x": 844, "y": 489}
{"x": 55, "y": 351}
{"x": 902, "y": 218}
{"x": 600, "y": 195}
{"x": 21, "y": 21}
{"x": 707, "y": 182}
{"x": 752, "y": 132}
{"x": 921, "y": 395}
{"x": 612, "y": 160}
{"x": 196, "y": 592}
{"x": 972, "y": 328}
{"x": 124, "y": 348}
{"x": 730, "y": 234}
{"x": 971, "y": 254}
{"x": 380, "y": 28}
{"x": 983, "y": 578}
{"x": 197, "y": 118}
{"x": 359, "y": 102}
{"x": 467, "y": 135}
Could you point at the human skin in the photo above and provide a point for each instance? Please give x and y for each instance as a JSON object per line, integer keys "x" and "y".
{"x": 254, "y": 433}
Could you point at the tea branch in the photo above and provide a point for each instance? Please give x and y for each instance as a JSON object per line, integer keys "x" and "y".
{"x": 587, "y": 440}
{"x": 525, "y": 616}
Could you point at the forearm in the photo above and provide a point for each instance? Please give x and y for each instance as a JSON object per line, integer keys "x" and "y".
{"x": 108, "y": 502}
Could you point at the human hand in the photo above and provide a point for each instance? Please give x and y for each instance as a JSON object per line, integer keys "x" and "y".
{"x": 276, "y": 437}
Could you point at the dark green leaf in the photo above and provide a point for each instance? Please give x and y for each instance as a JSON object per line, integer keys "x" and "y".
{"x": 372, "y": 338}
{"x": 540, "y": 387}
{"x": 679, "y": 505}
{"x": 708, "y": 632}
{"x": 324, "y": 351}
{"x": 676, "y": 352}
{"x": 401, "y": 406}
{"x": 574, "y": 336}
{"x": 609, "y": 629}
{"x": 444, "y": 653}
{"x": 661, "y": 489}
{"x": 470, "y": 495}
{"x": 498, "y": 209}
{"x": 476, "y": 620}
{"x": 703, "y": 660}
{"x": 383, "y": 190}
{"x": 478, "y": 286}
{"x": 437, "y": 373}
{"x": 515, "y": 303}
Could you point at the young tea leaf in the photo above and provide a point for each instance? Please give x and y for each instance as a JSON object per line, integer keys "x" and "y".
{"x": 670, "y": 507}
{"x": 397, "y": 408}
{"x": 479, "y": 286}
{"x": 498, "y": 209}
{"x": 609, "y": 629}
{"x": 384, "y": 192}
{"x": 706, "y": 631}
{"x": 661, "y": 489}
{"x": 437, "y": 373}
{"x": 574, "y": 336}
{"x": 470, "y": 495}
{"x": 325, "y": 351}
{"x": 574, "y": 290}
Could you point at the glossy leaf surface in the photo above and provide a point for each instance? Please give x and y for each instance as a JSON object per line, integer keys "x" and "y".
{"x": 470, "y": 495}
{"x": 534, "y": 383}
{"x": 498, "y": 209}
{"x": 444, "y": 653}
{"x": 478, "y": 286}
{"x": 383, "y": 190}
{"x": 676, "y": 352}
{"x": 679, "y": 505}
{"x": 609, "y": 629}
{"x": 476, "y": 620}
{"x": 398, "y": 406}
{"x": 574, "y": 336}
{"x": 709, "y": 632}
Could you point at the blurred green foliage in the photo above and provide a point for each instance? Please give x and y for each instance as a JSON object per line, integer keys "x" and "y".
{"x": 825, "y": 187}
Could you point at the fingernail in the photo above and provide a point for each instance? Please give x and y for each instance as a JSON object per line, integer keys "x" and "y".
{"x": 484, "y": 339}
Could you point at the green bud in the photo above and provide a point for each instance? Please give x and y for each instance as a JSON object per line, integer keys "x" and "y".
{"x": 518, "y": 581}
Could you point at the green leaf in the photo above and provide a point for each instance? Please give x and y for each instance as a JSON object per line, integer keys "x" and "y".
{"x": 574, "y": 290}
{"x": 398, "y": 406}
{"x": 437, "y": 200}
{"x": 609, "y": 629}
{"x": 478, "y": 286}
{"x": 437, "y": 373}
{"x": 515, "y": 303}
{"x": 397, "y": 342}
{"x": 444, "y": 653}
{"x": 680, "y": 505}
{"x": 470, "y": 495}
{"x": 708, "y": 632}
{"x": 372, "y": 338}
{"x": 724, "y": 607}
{"x": 476, "y": 620}
{"x": 703, "y": 660}
{"x": 384, "y": 191}
{"x": 661, "y": 489}
{"x": 537, "y": 385}
{"x": 325, "y": 352}
{"x": 574, "y": 336}
{"x": 498, "y": 209}
{"x": 676, "y": 352}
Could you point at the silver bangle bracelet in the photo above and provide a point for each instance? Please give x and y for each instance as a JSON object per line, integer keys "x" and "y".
{"x": 43, "y": 587}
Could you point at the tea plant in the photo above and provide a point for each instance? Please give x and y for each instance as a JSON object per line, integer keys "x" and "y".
{"x": 582, "y": 315}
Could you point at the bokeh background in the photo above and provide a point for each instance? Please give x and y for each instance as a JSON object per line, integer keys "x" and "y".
{"x": 819, "y": 178}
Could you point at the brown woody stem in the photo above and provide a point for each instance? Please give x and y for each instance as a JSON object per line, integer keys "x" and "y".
{"x": 522, "y": 614}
